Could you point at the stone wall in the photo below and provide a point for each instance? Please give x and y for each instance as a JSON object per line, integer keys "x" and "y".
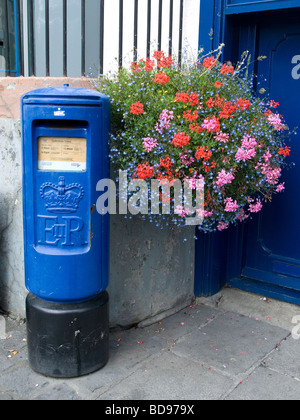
{"x": 12, "y": 290}
{"x": 151, "y": 270}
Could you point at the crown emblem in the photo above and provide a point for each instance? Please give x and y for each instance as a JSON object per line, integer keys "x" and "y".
{"x": 62, "y": 198}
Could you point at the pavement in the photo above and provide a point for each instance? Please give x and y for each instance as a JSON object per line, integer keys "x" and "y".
{"x": 232, "y": 346}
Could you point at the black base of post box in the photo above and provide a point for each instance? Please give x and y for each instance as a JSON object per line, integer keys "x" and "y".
{"x": 67, "y": 340}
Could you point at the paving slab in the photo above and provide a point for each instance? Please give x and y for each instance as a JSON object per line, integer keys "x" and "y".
{"x": 169, "y": 377}
{"x": 286, "y": 358}
{"x": 265, "y": 384}
{"x": 231, "y": 343}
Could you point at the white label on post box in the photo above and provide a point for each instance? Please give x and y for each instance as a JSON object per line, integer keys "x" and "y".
{"x": 59, "y": 113}
{"x": 62, "y": 154}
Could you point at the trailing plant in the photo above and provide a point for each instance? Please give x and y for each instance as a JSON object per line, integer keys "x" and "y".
{"x": 198, "y": 121}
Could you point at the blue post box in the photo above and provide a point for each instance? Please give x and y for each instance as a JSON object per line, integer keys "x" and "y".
{"x": 65, "y": 153}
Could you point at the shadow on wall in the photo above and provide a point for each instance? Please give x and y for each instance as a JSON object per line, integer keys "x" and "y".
{"x": 3, "y": 260}
{"x": 12, "y": 284}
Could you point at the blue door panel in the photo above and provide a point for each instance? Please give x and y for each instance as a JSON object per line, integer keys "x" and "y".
{"x": 273, "y": 239}
{"x": 269, "y": 277}
{"x": 263, "y": 255}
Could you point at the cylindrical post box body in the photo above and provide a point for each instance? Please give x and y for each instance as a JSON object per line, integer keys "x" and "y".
{"x": 65, "y": 153}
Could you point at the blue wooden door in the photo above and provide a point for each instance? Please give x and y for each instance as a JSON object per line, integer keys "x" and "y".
{"x": 271, "y": 242}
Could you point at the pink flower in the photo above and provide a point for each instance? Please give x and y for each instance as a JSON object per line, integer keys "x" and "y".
{"x": 186, "y": 160}
{"x": 164, "y": 122}
{"x": 244, "y": 154}
{"x": 271, "y": 174}
{"x": 267, "y": 156}
{"x": 208, "y": 213}
{"x": 224, "y": 178}
{"x": 222, "y": 137}
{"x": 247, "y": 151}
{"x": 181, "y": 211}
{"x": 276, "y": 121}
{"x": 204, "y": 213}
{"x": 248, "y": 142}
{"x": 222, "y": 226}
{"x": 280, "y": 187}
{"x": 231, "y": 205}
{"x": 212, "y": 124}
{"x": 149, "y": 143}
{"x": 195, "y": 183}
{"x": 242, "y": 215}
{"x": 255, "y": 208}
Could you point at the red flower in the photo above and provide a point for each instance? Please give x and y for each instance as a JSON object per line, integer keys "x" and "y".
{"x": 268, "y": 112}
{"x": 158, "y": 55}
{"x": 137, "y": 108}
{"x": 203, "y": 153}
{"x": 143, "y": 171}
{"x": 226, "y": 69}
{"x": 135, "y": 67}
{"x": 215, "y": 102}
{"x": 219, "y": 101}
{"x": 243, "y": 104}
{"x": 196, "y": 127}
{"x": 165, "y": 178}
{"x": 149, "y": 64}
{"x": 182, "y": 97}
{"x": 193, "y": 99}
{"x": 180, "y": 140}
{"x": 228, "y": 110}
{"x": 209, "y": 62}
{"x": 166, "y": 162}
{"x": 207, "y": 168}
{"x": 190, "y": 116}
{"x": 162, "y": 60}
{"x": 186, "y": 97}
{"x": 274, "y": 104}
{"x": 218, "y": 84}
{"x": 161, "y": 78}
{"x": 210, "y": 103}
{"x": 284, "y": 151}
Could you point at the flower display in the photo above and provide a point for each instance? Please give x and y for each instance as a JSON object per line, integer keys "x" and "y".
{"x": 199, "y": 120}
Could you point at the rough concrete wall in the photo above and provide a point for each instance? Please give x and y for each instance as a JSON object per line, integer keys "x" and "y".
{"x": 151, "y": 270}
{"x": 12, "y": 289}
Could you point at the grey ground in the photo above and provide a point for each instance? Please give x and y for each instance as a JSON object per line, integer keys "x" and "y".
{"x": 233, "y": 346}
